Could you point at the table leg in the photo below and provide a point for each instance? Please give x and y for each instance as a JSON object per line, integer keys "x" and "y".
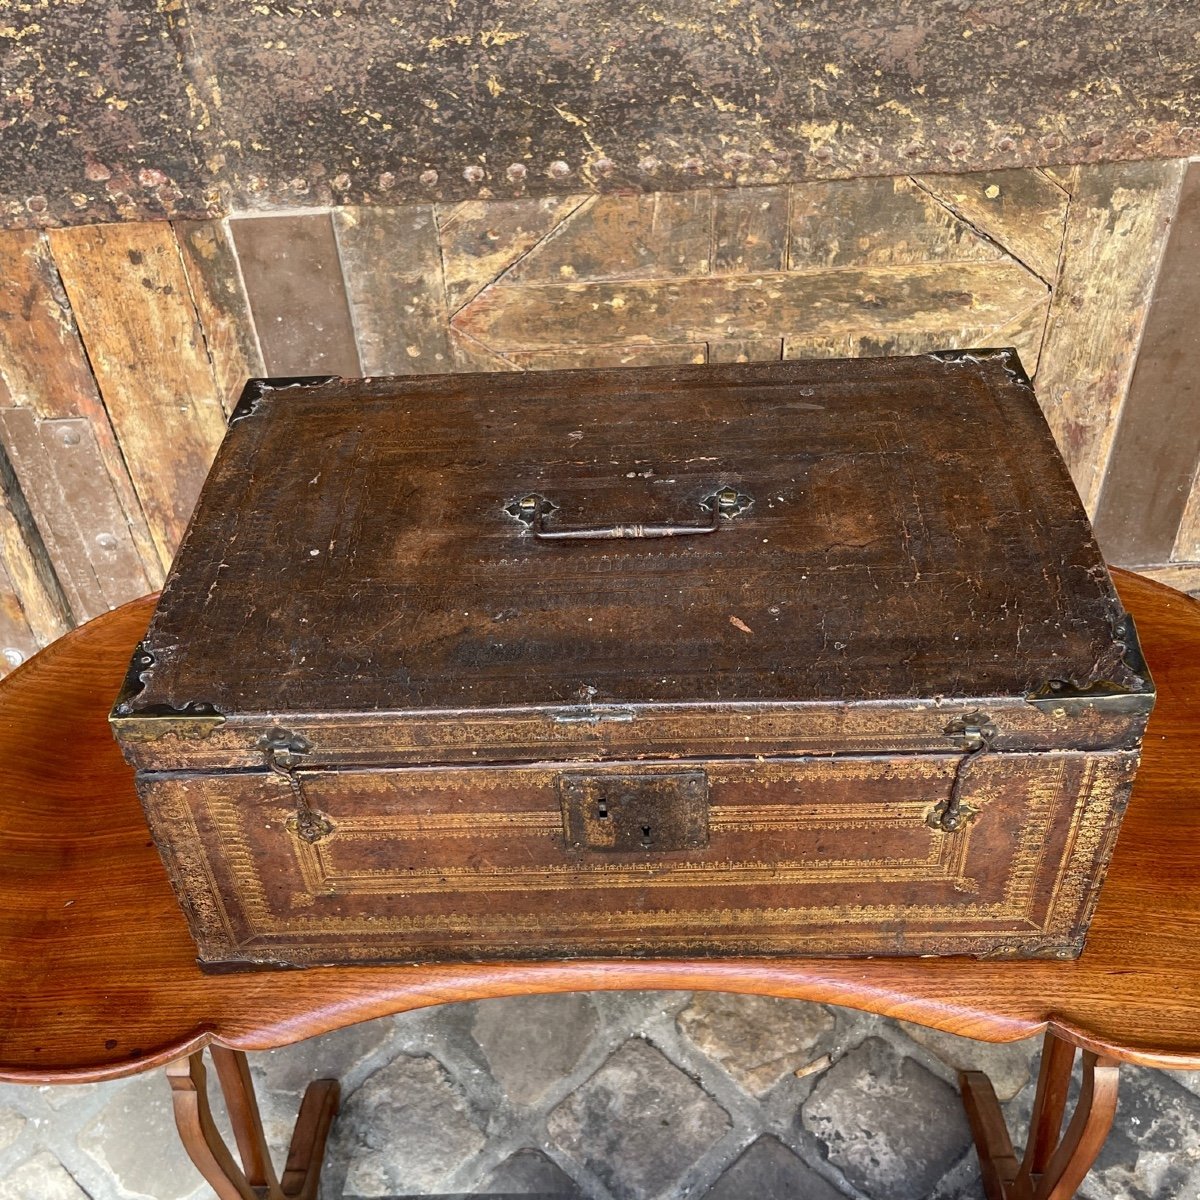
{"x": 255, "y": 1179}
{"x": 1054, "y": 1166}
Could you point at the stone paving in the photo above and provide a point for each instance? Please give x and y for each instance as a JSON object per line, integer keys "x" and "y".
{"x": 610, "y": 1096}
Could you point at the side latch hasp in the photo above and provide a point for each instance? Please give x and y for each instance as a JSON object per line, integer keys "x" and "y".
{"x": 974, "y": 732}
{"x": 284, "y": 752}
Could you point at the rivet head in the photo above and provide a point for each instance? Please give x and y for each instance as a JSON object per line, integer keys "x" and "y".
{"x": 517, "y": 172}
{"x": 106, "y": 541}
{"x": 737, "y": 159}
{"x": 604, "y": 166}
{"x": 692, "y": 165}
{"x": 387, "y": 181}
{"x": 69, "y": 437}
{"x": 12, "y": 656}
{"x": 473, "y": 173}
{"x": 558, "y": 169}
{"x": 649, "y": 164}
{"x": 341, "y": 182}
{"x": 36, "y": 204}
{"x": 428, "y": 178}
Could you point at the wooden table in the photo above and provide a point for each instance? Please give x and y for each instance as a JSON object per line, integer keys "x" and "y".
{"x": 100, "y": 979}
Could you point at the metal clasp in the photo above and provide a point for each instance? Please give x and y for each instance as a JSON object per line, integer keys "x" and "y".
{"x": 284, "y": 751}
{"x": 974, "y": 732}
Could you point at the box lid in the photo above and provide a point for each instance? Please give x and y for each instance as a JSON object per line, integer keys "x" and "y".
{"x": 474, "y": 566}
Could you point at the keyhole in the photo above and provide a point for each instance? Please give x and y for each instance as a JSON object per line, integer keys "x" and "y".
{"x": 645, "y": 835}
{"x": 602, "y": 808}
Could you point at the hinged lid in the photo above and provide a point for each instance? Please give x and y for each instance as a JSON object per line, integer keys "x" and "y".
{"x": 832, "y": 555}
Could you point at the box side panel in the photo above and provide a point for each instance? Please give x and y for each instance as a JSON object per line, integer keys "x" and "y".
{"x": 802, "y": 857}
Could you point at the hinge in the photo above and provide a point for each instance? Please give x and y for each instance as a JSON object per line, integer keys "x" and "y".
{"x": 284, "y": 752}
{"x": 974, "y": 732}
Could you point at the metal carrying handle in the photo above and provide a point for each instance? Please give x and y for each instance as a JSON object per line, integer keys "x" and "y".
{"x": 532, "y": 510}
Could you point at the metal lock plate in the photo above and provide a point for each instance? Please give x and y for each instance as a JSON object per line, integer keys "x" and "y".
{"x": 628, "y": 812}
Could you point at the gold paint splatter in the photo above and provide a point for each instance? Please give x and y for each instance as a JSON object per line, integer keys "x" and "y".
{"x": 737, "y": 623}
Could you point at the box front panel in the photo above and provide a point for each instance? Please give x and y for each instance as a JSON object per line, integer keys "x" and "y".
{"x": 806, "y": 856}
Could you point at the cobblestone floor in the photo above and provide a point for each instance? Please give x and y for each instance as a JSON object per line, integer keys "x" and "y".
{"x": 610, "y": 1097}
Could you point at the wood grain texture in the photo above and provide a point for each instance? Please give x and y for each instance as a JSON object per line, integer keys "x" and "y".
{"x": 130, "y": 297}
{"x": 1024, "y": 212}
{"x": 44, "y": 367}
{"x": 217, "y": 290}
{"x": 960, "y": 302}
{"x": 35, "y": 589}
{"x": 294, "y": 282}
{"x": 1187, "y": 540}
{"x": 1184, "y": 576}
{"x": 102, "y": 982}
{"x": 393, "y": 269}
{"x": 480, "y": 239}
{"x": 1117, "y": 224}
{"x": 1156, "y": 447}
{"x": 78, "y": 514}
{"x": 17, "y": 640}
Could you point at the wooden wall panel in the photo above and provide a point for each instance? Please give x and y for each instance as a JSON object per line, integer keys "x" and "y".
{"x": 215, "y": 278}
{"x": 393, "y": 270}
{"x": 131, "y": 300}
{"x": 45, "y": 371}
{"x": 1117, "y": 223}
{"x": 1156, "y": 447}
{"x": 77, "y": 511}
{"x": 113, "y": 390}
{"x": 294, "y": 281}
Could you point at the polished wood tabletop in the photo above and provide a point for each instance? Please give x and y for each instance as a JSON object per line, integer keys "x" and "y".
{"x": 99, "y": 977}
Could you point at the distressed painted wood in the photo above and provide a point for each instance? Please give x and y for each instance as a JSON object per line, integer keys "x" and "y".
{"x": 1156, "y": 447}
{"x": 1117, "y": 224}
{"x": 963, "y": 301}
{"x": 35, "y": 589}
{"x": 45, "y": 368}
{"x": 215, "y": 279}
{"x": 1183, "y": 576}
{"x": 78, "y": 514}
{"x": 17, "y": 641}
{"x": 393, "y": 269}
{"x": 878, "y": 223}
{"x": 130, "y": 297}
{"x": 1024, "y": 212}
{"x": 1187, "y": 540}
{"x": 294, "y": 281}
{"x": 659, "y": 236}
{"x": 750, "y": 230}
{"x": 480, "y": 240}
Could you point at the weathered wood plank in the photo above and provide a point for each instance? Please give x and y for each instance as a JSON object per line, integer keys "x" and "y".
{"x": 958, "y": 300}
{"x": 1117, "y": 225}
{"x": 1022, "y": 211}
{"x": 1156, "y": 448}
{"x": 656, "y": 236}
{"x": 130, "y": 297}
{"x": 728, "y": 350}
{"x": 1185, "y": 577}
{"x": 566, "y": 357}
{"x": 45, "y": 368}
{"x": 393, "y": 269}
{"x": 27, "y": 563}
{"x": 877, "y": 223}
{"x": 481, "y": 239}
{"x": 76, "y": 510}
{"x": 750, "y": 230}
{"x": 17, "y": 642}
{"x": 215, "y": 279}
{"x": 293, "y": 279}
{"x": 1187, "y": 540}
{"x": 470, "y": 355}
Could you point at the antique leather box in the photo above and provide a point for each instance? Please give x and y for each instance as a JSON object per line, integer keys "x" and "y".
{"x": 794, "y": 658}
